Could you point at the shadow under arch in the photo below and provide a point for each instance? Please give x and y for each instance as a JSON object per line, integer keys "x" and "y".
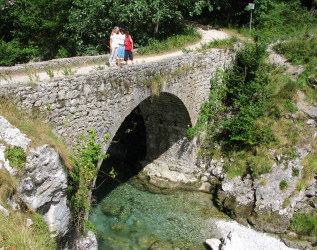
{"x": 149, "y": 131}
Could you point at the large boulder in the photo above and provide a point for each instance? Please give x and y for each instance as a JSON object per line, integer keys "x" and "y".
{"x": 88, "y": 242}
{"x": 43, "y": 187}
{"x": 236, "y": 196}
{"x": 12, "y": 136}
{"x": 269, "y": 202}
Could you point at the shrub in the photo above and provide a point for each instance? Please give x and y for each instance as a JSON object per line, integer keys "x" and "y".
{"x": 82, "y": 177}
{"x": 189, "y": 35}
{"x": 16, "y": 156}
{"x": 290, "y": 106}
{"x": 13, "y": 52}
{"x": 283, "y": 184}
{"x": 302, "y": 50}
{"x": 304, "y": 224}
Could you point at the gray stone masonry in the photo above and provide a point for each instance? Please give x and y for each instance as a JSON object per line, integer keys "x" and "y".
{"x": 103, "y": 99}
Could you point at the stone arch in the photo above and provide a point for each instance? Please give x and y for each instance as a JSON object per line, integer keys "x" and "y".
{"x": 166, "y": 110}
{"x": 165, "y": 120}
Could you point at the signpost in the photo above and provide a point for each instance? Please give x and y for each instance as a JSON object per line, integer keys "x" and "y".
{"x": 251, "y": 7}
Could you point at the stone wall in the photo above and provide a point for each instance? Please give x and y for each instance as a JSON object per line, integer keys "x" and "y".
{"x": 102, "y": 100}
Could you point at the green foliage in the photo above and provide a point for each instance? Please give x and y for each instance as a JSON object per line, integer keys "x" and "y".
{"x": 280, "y": 19}
{"x": 39, "y": 223}
{"x": 187, "y": 36}
{"x": 60, "y": 28}
{"x": 260, "y": 164}
{"x": 302, "y": 50}
{"x": 243, "y": 162}
{"x": 67, "y": 70}
{"x": 304, "y": 224}
{"x": 16, "y": 156}
{"x": 290, "y": 106}
{"x": 206, "y": 125}
{"x": 49, "y": 71}
{"x": 83, "y": 175}
{"x": 246, "y": 83}
{"x": 283, "y": 184}
{"x": 34, "y": 27}
{"x": 89, "y": 226}
{"x": 221, "y": 44}
{"x": 15, "y": 51}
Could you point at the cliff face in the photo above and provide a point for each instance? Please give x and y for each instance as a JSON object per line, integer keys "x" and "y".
{"x": 42, "y": 184}
{"x": 268, "y": 202}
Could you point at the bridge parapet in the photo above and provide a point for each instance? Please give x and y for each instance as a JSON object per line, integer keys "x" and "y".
{"x": 103, "y": 99}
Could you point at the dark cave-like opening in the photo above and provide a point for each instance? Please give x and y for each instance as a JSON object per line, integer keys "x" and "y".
{"x": 127, "y": 150}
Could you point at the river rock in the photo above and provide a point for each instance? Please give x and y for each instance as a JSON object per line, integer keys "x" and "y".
{"x": 43, "y": 187}
{"x": 87, "y": 243}
{"x": 4, "y": 211}
{"x": 214, "y": 244}
{"x": 145, "y": 242}
{"x": 161, "y": 245}
{"x": 111, "y": 209}
{"x": 166, "y": 175}
{"x": 237, "y": 196}
{"x": 13, "y": 136}
{"x": 274, "y": 206}
{"x": 234, "y": 236}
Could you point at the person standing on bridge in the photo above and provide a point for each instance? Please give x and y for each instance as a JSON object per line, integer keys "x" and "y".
{"x": 114, "y": 46}
{"x": 121, "y": 46}
{"x": 128, "y": 47}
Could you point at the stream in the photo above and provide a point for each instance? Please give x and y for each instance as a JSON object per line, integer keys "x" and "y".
{"x": 130, "y": 217}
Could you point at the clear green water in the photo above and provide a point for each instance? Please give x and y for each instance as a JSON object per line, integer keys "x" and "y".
{"x": 130, "y": 218}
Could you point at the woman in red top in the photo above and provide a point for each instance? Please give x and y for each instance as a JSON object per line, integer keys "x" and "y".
{"x": 128, "y": 47}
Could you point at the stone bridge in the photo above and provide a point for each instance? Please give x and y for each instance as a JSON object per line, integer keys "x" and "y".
{"x": 169, "y": 94}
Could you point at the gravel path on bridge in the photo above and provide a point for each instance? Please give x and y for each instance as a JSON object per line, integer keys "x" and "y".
{"x": 207, "y": 36}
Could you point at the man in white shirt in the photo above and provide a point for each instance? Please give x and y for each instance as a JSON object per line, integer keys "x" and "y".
{"x": 121, "y": 39}
{"x": 114, "y": 46}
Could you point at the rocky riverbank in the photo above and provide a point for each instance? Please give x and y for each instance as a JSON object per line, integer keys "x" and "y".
{"x": 42, "y": 183}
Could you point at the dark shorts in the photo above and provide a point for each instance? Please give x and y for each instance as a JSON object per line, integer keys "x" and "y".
{"x": 128, "y": 55}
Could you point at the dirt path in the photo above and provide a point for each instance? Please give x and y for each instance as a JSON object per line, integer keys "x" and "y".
{"x": 207, "y": 36}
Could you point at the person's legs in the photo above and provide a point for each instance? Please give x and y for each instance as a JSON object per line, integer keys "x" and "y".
{"x": 120, "y": 54}
{"x": 131, "y": 56}
{"x": 114, "y": 56}
{"x": 111, "y": 57}
{"x": 126, "y": 56}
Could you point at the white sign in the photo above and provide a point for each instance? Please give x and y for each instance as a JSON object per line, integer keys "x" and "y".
{"x": 251, "y": 6}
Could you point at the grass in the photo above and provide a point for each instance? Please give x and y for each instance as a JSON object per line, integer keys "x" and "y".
{"x": 310, "y": 167}
{"x": 156, "y": 84}
{"x": 243, "y": 162}
{"x": 304, "y": 224}
{"x": 219, "y": 44}
{"x": 187, "y": 37}
{"x": 8, "y": 186}
{"x": 15, "y": 234}
{"x": 33, "y": 125}
{"x": 301, "y": 50}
